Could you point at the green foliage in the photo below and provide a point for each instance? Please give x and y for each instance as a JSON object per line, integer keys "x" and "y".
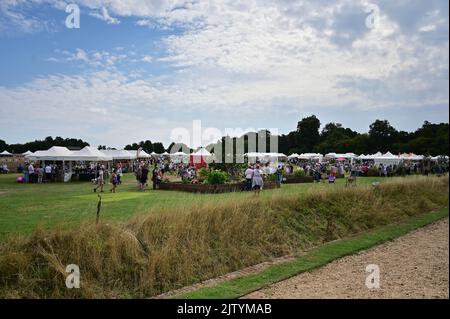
{"x": 299, "y": 172}
{"x": 202, "y": 174}
{"x": 217, "y": 177}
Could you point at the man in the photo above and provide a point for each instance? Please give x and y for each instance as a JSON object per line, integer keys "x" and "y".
{"x": 248, "y": 177}
{"x": 31, "y": 173}
{"x": 48, "y": 172}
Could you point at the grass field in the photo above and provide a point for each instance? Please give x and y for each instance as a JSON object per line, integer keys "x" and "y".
{"x": 24, "y": 207}
{"x": 149, "y": 243}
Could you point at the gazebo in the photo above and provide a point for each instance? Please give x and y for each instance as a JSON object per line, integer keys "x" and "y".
{"x": 200, "y": 158}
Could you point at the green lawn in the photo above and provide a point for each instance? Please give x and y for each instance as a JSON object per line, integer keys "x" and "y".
{"x": 23, "y": 207}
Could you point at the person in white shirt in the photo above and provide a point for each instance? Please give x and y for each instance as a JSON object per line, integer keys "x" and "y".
{"x": 30, "y": 173}
{"x": 257, "y": 180}
{"x": 48, "y": 172}
{"x": 248, "y": 177}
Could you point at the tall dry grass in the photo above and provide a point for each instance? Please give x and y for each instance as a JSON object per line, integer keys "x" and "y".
{"x": 169, "y": 249}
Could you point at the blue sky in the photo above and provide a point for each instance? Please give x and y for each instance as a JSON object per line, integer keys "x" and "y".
{"x": 137, "y": 70}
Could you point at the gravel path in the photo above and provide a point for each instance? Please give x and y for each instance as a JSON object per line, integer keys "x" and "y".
{"x": 411, "y": 266}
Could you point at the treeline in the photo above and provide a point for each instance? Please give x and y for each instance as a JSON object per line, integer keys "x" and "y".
{"x": 430, "y": 139}
{"x": 37, "y": 145}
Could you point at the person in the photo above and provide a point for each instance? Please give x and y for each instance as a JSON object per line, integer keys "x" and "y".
{"x": 248, "y": 177}
{"x": 119, "y": 174}
{"x": 257, "y": 181}
{"x": 48, "y": 172}
{"x": 138, "y": 174}
{"x": 114, "y": 181}
{"x": 40, "y": 174}
{"x": 279, "y": 176}
{"x": 100, "y": 181}
{"x": 31, "y": 173}
{"x": 155, "y": 176}
{"x": 5, "y": 169}
{"x": 144, "y": 177}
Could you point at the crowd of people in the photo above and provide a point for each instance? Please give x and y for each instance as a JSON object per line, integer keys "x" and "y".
{"x": 252, "y": 175}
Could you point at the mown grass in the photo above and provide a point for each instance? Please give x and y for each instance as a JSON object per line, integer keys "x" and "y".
{"x": 181, "y": 244}
{"x": 25, "y": 207}
{"x": 315, "y": 258}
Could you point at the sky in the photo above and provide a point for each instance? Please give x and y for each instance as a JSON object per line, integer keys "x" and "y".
{"x": 137, "y": 70}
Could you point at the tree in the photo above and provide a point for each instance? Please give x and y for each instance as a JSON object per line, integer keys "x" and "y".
{"x": 158, "y": 147}
{"x": 308, "y": 130}
{"x": 381, "y": 135}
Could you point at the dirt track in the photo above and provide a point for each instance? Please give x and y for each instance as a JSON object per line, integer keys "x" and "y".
{"x": 412, "y": 266}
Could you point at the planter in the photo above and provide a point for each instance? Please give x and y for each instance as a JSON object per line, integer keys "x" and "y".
{"x": 298, "y": 179}
{"x": 210, "y": 189}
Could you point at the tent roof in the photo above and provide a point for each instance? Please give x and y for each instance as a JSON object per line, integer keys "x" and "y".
{"x": 179, "y": 154}
{"x": 143, "y": 154}
{"x": 202, "y": 152}
{"x": 389, "y": 155}
{"x": 5, "y": 152}
{"x": 89, "y": 153}
{"x": 54, "y": 153}
{"x": 120, "y": 154}
{"x": 27, "y": 153}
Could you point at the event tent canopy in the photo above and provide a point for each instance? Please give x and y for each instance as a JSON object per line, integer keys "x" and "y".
{"x": 202, "y": 152}
{"x": 310, "y": 155}
{"x": 293, "y": 155}
{"x": 120, "y": 154}
{"x": 55, "y": 153}
{"x": 143, "y": 154}
{"x": 89, "y": 153}
{"x": 27, "y": 153}
{"x": 6, "y": 153}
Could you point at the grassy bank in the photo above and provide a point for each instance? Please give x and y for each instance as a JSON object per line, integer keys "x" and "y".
{"x": 315, "y": 258}
{"x": 178, "y": 246}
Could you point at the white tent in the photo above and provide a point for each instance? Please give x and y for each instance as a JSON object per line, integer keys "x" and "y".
{"x": 293, "y": 155}
{"x": 89, "y": 153}
{"x": 55, "y": 153}
{"x": 202, "y": 152}
{"x": 310, "y": 156}
{"x": 5, "y": 153}
{"x": 165, "y": 154}
{"x": 120, "y": 154}
{"x": 179, "y": 157}
{"x": 411, "y": 157}
{"x": 27, "y": 153}
{"x": 143, "y": 154}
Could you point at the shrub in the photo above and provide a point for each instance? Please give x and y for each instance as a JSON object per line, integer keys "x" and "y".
{"x": 217, "y": 177}
{"x": 202, "y": 174}
{"x": 299, "y": 172}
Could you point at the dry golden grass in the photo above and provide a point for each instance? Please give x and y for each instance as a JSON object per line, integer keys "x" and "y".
{"x": 169, "y": 249}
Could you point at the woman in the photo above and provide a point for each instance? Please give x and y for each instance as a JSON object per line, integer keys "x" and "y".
{"x": 100, "y": 181}
{"x": 257, "y": 180}
{"x": 114, "y": 181}
{"x": 144, "y": 177}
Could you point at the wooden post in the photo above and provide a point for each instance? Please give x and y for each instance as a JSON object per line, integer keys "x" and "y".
{"x": 99, "y": 206}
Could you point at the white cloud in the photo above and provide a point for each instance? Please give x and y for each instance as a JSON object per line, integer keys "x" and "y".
{"x": 428, "y": 28}
{"x": 103, "y": 15}
{"x": 147, "y": 58}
